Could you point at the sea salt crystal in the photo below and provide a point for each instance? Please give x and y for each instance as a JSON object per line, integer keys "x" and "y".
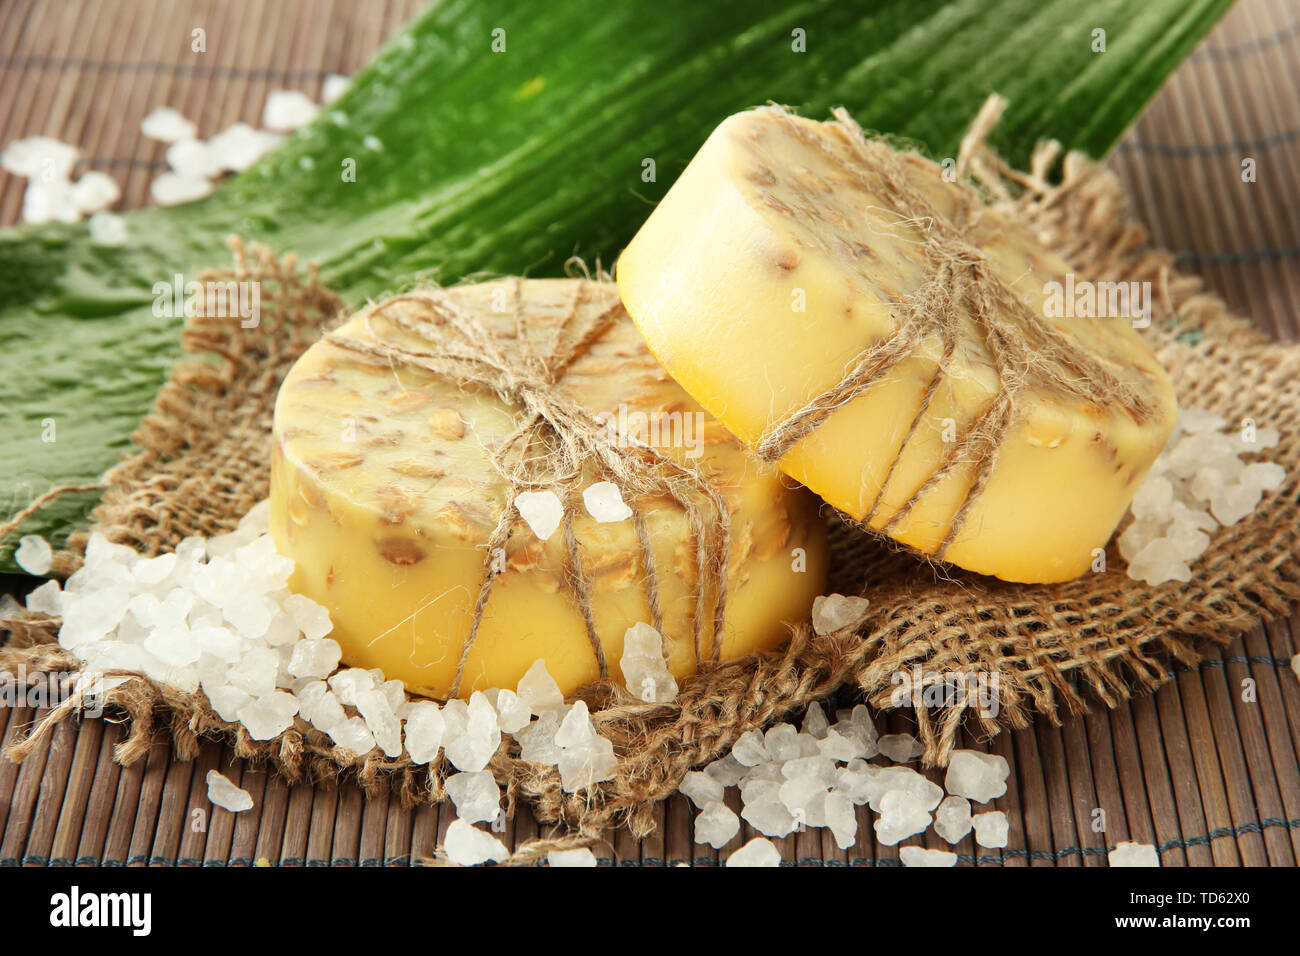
{"x": 1153, "y": 499}
{"x": 902, "y": 815}
{"x": 605, "y": 503}
{"x": 311, "y": 618}
{"x": 952, "y": 818}
{"x": 172, "y": 645}
{"x": 857, "y": 723}
{"x": 469, "y": 846}
{"x": 94, "y": 191}
{"x": 49, "y": 202}
{"x": 815, "y": 723}
{"x": 903, "y": 780}
{"x": 172, "y": 189}
{"x": 991, "y": 829}
{"x": 381, "y": 721}
{"x": 288, "y": 110}
{"x": 334, "y": 86}
{"x": 727, "y": 770}
{"x": 541, "y": 510}
{"x": 749, "y": 749}
{"x": 1133, "y": 854}
{"x": 193, "y": 159}
{"x": 757, "y": 852}
{"x": 34, "y": 555}
{"x": 769, "y": 818}
{"x": 227, "y": 701}
{"x": 805, "y": 798}
{"x": 716, "y": 824}
{"x": 537, "y": 740}
{"x": 269, "y": 716}
{"x": 842, "y": 820}
{"x": 107, "y": 229}
{"x": 1158, "y": 562}
{"x": 255, "y": 672}
{"x": 645, "y": 671}
{"x": 584, "y": 767}
{"x": 855, "y": 781}
{"x": 1295, "y": 666}
{"x": 839, "y": 747}
{"x": 167, "y": 125}
{"x": 351, "y": 682}
{"x": 538, "y": 689}
{"x": 318, "y": 658}
{"x": 1235, "y": 502}
{"x": 47, "y": 599}
{"x": 760, "y": 790}
{"x": 818, "y": 768}
{"x": 353, "y": 735}
{"x": 833, "y": 612}
{"x": 471, "y": 734}
{"x": 223, "y": 793}
{"x": 1264, "y": 475}
{"x": 39, "y": 157}
{"x": 424, "y": 729}
{"x": 476, "y": 796}
{"x": 579, "y": 857}
{"x": 239, "y": 146}
{"x": 782, "y": 743}
{"x": 154, "y": 570}
{"x": 701, "y": 789}
{"x": 981, "y": 777}
{"x": 576, "y": 730}
{"x": 1196, "y": 420}
{"x": 919, "y": 856}
{"x": 513, "y": 712}
{"x": 900, "y": 748}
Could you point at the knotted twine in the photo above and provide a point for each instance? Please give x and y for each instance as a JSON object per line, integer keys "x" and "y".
{"x": 1028, "y": 352}
{"x": 557, "y": 444}
{"x": 1053, "y": 649}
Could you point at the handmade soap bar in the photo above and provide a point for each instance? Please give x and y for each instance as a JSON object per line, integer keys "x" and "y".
{"x": 394, "y": 440}
{"x": 896, "y": 346}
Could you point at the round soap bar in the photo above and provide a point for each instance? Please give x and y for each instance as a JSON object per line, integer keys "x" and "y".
{"x": 920, "y": 362}
{"x": 387, "y": 486}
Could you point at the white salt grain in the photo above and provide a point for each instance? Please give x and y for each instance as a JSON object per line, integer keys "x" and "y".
{"x": 513, "y": 712}
{"x": 476, "y": 796}
{"x": 424, "y": 729}
{"x": 833, "y": 612}
{"x": 239, "y": 146}
{"x": 900, "y": 748}
{"x": 902, "y": 815}
{"x": 34, "y": 555}
{"x": 757, "y": 852}
{"x": 223, "y": 793}
{"x": 194, "y": 159}
{"x": 952, "y": 818}
{"x": 981, "y": 777}
{"x": 579, "y": 857}
{"x": 334, "y": 86}
{"x": 318, "y": 658}
{"x": 701, "y": 789}
{"x": 167, "y": 125}
{"x": 815, "y": 723}
{"x": 541, "y": 510}
{"x": 469, "y": 846}
{"x": 288, "y": 110}
{"x": 94, "y": 192}
{"x": 537, "y": 689}
{"x": 990, "y": 829}
{"x": 716, "y": 824}
{"x": 49, "y": 202}
{"x": 1133, "y": 854}
{"x": 604, "y": 502}
{"x": 108, "y": 229}
{"x": 172, "y": 189}
{"x": 645, "y": 672}
{"x": 919, "y": 856}
{"x": 39, "y": 158}
{"x": 47, "y": 599}
{"x": 770, "y": 818}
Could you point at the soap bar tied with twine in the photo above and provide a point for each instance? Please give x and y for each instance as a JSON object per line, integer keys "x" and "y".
{"x": 1029, "y": 353}
{"x": 557, "y": 445}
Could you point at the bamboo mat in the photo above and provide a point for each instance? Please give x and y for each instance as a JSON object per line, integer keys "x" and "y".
{"x": 1202, "y": 768}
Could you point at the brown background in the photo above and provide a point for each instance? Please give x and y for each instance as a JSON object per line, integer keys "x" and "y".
{"x": 1207, "y": 776}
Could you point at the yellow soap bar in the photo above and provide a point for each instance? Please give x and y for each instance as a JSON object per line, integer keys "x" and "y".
{"x": 982, "y": 423}
{"x": 384, "y": 493}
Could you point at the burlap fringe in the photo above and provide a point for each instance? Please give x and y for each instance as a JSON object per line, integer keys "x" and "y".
{"x": 1050, "y": 649}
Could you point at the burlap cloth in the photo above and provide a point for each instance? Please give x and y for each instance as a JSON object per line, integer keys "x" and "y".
{"x": 204, "y": 461}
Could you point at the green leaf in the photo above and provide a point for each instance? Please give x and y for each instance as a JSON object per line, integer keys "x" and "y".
{"x": 469, "y": 161}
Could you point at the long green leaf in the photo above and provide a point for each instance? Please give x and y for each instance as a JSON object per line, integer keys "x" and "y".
{"x": 469, "y": 160}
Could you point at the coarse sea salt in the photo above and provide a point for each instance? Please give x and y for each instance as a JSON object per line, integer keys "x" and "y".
{"x": 541, "y": 510}
{"x": 919, "y": 856}
{"x": 469, "y": 846}
{"x": 223, "y": 793}
{"x": 1198, "y": 484}
{"x": 167, "y": 125}
{"x": 757, "y": 852}
{"x": 579, "y": 857}
{"x": 645, "y": 671}
{"x": 1133, "y": 854}
{"x": 288, "y": 110}
{"x": 34, "y": 555}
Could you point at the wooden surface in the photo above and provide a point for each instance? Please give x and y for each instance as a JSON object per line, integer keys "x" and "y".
{"x": 1206, "y": 768}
